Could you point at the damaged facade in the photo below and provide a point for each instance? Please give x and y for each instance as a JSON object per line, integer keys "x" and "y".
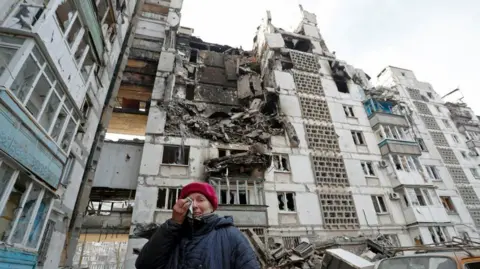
{"x": 299, "y": 145}
{"x": 57, "y": 59}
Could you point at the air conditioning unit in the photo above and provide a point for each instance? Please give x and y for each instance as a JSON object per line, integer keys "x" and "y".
{"x": 383, "y": 164}
{"x": 394, "y": 196}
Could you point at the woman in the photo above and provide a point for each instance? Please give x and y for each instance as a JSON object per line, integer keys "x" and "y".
{"x": 201, "y": 240}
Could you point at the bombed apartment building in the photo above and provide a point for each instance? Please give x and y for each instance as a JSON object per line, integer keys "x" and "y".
{"x": 299, "y": 145}
{"x": 57, "y": 59}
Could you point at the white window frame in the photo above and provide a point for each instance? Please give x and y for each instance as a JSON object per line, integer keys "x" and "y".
{"x": 433, "y": 172}
{"x": 358, "y": 137}
{"x": 285, "y": 201}
{"x": 349, "y": 111}
{"x": 252, "y": 188}
{"x": 475, "y": 173}
{"x": 422, "y": 145}
{"x": 455, "y": 139}
{"x": 407, "y": 163}
{"x": 7, "y": 22}
{"x": 376, "y": 201}
{"x": 167, "y": 195}
{"x": 277, "y": 158}
{"x": 445, "y": 203}
{"x": 27, "y": 51}
{"x": 14, "y": 224}
{"x": 368, "y": 168}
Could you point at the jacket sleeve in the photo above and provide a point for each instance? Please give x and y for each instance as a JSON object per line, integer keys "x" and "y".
{"x": 243, "y": 255}
{"x": 156, "y": 252}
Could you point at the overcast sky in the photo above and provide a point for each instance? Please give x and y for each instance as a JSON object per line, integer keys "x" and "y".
{"x": 438, "y": 39}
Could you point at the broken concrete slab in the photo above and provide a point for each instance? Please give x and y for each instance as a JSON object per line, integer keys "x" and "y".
{"x": 249, "y": 86}
{"x": 166, "y": 62}
{"x": 284, "y": 80}
{"x": 275, "y": 41}
{"x": 215, "y": 94}
{"x": 341, "y": 259}
{"x": 212, "y": 58}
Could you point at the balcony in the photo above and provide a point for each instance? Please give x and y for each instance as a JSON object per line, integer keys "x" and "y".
{"x": 469, "y": 126}
{"x": 245, "y": 215}
{"x": 473, "y": 144}
{"x": 384, "y": 112}
{"x": 421, "y": 204}
{"x": 392, "y": 146}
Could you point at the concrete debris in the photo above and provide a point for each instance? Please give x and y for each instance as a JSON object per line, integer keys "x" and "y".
{"x": 232, "y": 125}
{"x": 240, "y": 163}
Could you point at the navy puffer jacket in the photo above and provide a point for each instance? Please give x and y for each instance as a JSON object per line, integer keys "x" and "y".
{"x": 212, "y": 243}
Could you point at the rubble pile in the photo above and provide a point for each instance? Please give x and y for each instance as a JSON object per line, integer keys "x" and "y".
{"x": 248, "y": 160}
{"x": 239, "y": 125}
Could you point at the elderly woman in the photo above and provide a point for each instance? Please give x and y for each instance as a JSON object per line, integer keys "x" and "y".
{"x": 202, "y": 240}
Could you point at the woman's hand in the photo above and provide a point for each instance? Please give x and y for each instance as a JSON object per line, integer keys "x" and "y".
{"x": 180, "y": 210}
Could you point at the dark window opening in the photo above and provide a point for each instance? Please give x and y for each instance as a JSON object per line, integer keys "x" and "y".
{"x": 163, "y": 202}
{"x": 222, "y": 153}
{"x": 420, "y": 198}
{"x": 231, "y": 200}
{"x": 286, "y": 201}
{"x": 190, "y": 92}
{"x": 175, "y": 155}
{"x": 280, "y": 163}
{"x": 422, "y": 145}
{"x": 303, "y": 45}
{"x": 193, "y": 56}
{"x": 287, "y": 66}
{"x": 162, "y": 193}
{"x": 342, "y": 85}
{"x": 406, "y": 200}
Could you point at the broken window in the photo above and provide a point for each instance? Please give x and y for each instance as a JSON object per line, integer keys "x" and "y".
{"x": 464, "y": 154}
{"x": 47, "y": 236}
{"x": 367, "y": 168}
{"x": 349, "y": 111}
{"x": 86, "y": 107}
{"x": 26, "y": 14}
{"x": 455, "y": 139}
{"x": 175, "y": 154}
{"x": 358, "y": 138}
{"x": 421, "y": 144}
{"x": 9, "y": 45}
{"x": 432, "y": 172}
{"x": 430, "y": 95}
{"x": 280, "y": 162}
{"x": 286, "y": 201}
{"x": 448, "y": 204}
{"x": 167, "y": 197}
{"x": 341, "y": 83}
{"x": 406, "y": 163}
{"x": 222, "y": 153}
{"x": 238, "y": 192}
{"x": 25, "y": 202}
{"x": 193, "y": 56}
{"x": 379, "y": 204}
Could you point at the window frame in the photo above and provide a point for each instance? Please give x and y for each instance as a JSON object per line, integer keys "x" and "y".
{"x": 433, "y": 173}
{"x": 446, "y": 123}
{"x": 167, "y": 197}
{"x": 284, "y": 194}
{"x": 422, "y": 145}
{"x": 475, "y": 173}
{"x": 447, "y": 203}
{"x": 358, "y": 137}
{"x": 368, "y": 166}
{"x": 349, "y": 111}
{"x": 253, "y": 189}
{"x": 455, "y": 139}
{"x": 277, "y": 158}
{"x": 376, "y": 201}
{"x": 21, "y": 205}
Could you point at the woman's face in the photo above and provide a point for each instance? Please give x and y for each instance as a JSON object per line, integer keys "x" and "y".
{"x": 201, "y": 205}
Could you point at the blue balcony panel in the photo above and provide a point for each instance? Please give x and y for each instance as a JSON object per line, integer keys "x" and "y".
{"x": 16, "y": 259}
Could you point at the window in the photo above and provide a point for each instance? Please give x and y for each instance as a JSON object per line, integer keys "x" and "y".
{"x": 342, "y": 85}
{"x": 23, "y": 202}
{"x": 475, "y": 173}
{"x": 286, "y": 201}
{"x": 446, "y": 123}
{"x": 167, "y": 197}
{"x": 447, "y": 204}
{"x": 455, "y": 139}
{"x": 438, "y": 234}
{"x": 280, "y": 162}
{"x": 438, "y": 109}
{"x": 175, "y": 154}
{"x": 430, "y": 95}
{"x": 464, "y": 154}
{"x": 432, "y": 172}
{"x": 421, "y": 144}
{"x": 379, "y": 204}
{"x": 421, "y": 196}
{"x": 238, "y": 192}
{"x": 349, "y": 111}
{"x": 358, "y": 138}
{"x": 9, "y": 45}
{"x": 406, "y": 163}
{"x": 367, "y": 168}
{"x": 26, "y": 14}
{"x": 395, "y": 132}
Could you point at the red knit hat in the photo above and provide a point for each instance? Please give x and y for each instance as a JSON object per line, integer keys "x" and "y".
{"x": 201, "y": 187}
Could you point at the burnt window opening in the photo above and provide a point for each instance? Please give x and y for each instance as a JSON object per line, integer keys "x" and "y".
{"x": 342, "y": 85}
{"x": 232, "y": 198}
{"x": 86, "y": 107}
{"x": 176, "y": 155}
{"x": 193, "y": 56}
{"x": 303, "y": 45}
{"x": 286, "y": 201}
{"x": 222, "y": 153}
{"x": 190, "y": 92}
{"x": 280, "y": 163}
{"x": 287, "y": 66}
{"x": 167, "y": 197}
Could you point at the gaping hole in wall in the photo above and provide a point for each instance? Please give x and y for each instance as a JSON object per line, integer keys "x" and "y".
{"x": 190, "y": 92}
{"x": 250, "y": 164}
{"x": 341, "y": 84}
{"x": 296, "y": 43}
{"x": 105, "y": 201}
{"x": 175, "y": 155}
{"x": 193, "y": 56}
{"x": 167, "y": 197}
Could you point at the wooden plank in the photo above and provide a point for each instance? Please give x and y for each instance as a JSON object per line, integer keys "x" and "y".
{"x": 155, "y": 9}
{"x": 124, "y": 123}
